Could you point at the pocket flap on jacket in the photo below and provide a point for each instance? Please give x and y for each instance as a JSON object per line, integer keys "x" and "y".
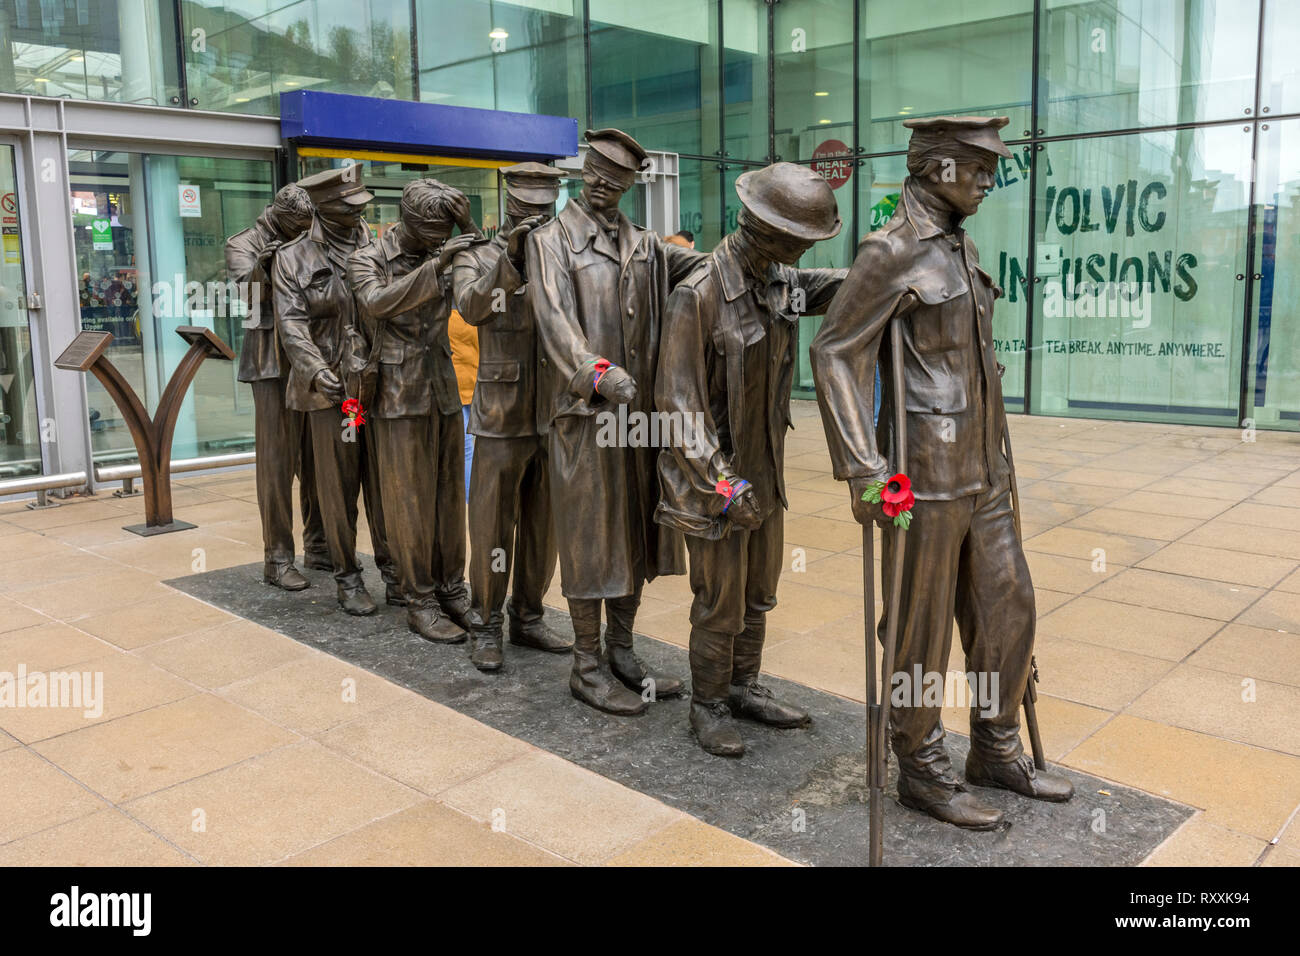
{"x": 393, "y": 353}
{"x": 498, "y": 372}
{"x": 933, "y": 290}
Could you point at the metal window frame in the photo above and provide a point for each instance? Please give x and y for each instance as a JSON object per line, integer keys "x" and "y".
{"x": 44, "y": 129}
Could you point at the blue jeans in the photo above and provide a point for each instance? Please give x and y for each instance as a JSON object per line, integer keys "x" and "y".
{"x": 469, "y": 444}
{"x": 875, "y": 417}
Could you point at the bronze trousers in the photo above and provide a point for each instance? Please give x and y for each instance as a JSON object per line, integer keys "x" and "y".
{"x": 283, "y": 446}
{"x": 345, "y": 466}
{"x": 734, "y": 580}
{"x": 422, "y": 470}
{"x": 510, "y": 526}
{"x": 962, "y": 560}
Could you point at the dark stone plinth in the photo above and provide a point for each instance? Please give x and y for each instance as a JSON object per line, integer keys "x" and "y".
{"x": 820, "y": 771}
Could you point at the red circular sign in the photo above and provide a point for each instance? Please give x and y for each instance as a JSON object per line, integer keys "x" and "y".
{"x": 9, "y": 203}
{"x": 189, "y": 195}
{"x": 832, "y": 161}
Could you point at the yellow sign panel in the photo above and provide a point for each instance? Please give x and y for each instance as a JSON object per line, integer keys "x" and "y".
{"x": 328, "y": 153}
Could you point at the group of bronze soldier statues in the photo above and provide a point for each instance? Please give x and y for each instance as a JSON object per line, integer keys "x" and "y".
{"x": 582, "y": 312}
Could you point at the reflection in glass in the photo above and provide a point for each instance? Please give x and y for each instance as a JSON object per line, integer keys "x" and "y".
{"x": 1118, "y": 64}
{"x": 242, "y": 60}
{"x": 146, "y": 264}
{"x": 118, "y": 50}
{"x": 654, "y": 72}
{"x": 1139, "y": 243}
{"x": 744, "y": 87}
{"x": 1273, "y": 382}
{"x": 813, "y": 47}
{"x": 524, "y": 55}
{"x": 20, "y": 426}
{"x": 974, "y": 57}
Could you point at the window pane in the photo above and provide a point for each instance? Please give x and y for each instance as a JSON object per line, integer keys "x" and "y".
{"x": 699, "y": 205}
{"x": 1121, "y": 64}
{"x": 524, "y": 56}
{"x": 654, "y": 72}
{"x": 744, "y": 28}
{"x": 1140, "y": 242}
{"x": 147, "y": 244}
{"x": 813, "y": 43}
{"x": 20, "y": 427}
{"x": 250, "y": 52}
{"x": 119, "y": 50}
{"x": 1273, "y": 386}
{"x": 934, "y": 59}
{"x": 1279, "y": 82}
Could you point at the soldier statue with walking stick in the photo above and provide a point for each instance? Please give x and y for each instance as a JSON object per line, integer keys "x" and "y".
{"x": 917, "y": 302}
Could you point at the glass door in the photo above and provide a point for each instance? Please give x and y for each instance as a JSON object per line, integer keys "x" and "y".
{"x": 1273, "y": 371}
{"x": 20, "y": 428}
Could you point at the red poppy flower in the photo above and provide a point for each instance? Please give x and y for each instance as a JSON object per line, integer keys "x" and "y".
{"x": 723, "y": 487}
{"x": 897, "y": 490}
{"x": 894, "y": 508}
{"x": 353, "y": 412}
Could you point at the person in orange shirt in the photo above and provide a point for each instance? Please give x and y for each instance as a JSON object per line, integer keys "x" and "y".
{"x": 464, "y": 356}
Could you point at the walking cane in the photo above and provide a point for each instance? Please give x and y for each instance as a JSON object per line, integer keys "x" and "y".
{"x": 878, "y": 713}
{"x": 1031, "y": 692}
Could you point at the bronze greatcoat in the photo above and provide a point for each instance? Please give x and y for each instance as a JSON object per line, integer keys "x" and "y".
{"x": 417, "y": 420}
{"x": 314, "y": 309}
{"x": 510, "y": 500}
{"x": 597, "y": 294}
{"x": 728, "y": 354}
{"x": 280, "y": 436}
{"x": 962, "y": 557}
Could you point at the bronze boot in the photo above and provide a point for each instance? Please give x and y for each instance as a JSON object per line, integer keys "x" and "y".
{"x": 284, "y": 576}
{"x": 539, "y": 636}
{"x": 714, "y": 728}
{"x": 429, "y": 623}
{"x": 1019, "y": 776}
{"x": 624, "y": 662}
{"x": 485, "y": 647}
{"x": 317, "y": 560}
{"x": 591, "y": 681}
{"x": 457, "y": 608}
{"x": 356, "y": 600}
{"x": 746, "y": 696}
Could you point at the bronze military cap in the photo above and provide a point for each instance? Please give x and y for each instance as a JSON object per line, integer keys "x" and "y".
{"x": 617, "y": 147}
{"x": 978, "y": 131}
{"x": 791, "y": 198}
{"x": 534, "y": 183}
{"x": 341, "y": 183}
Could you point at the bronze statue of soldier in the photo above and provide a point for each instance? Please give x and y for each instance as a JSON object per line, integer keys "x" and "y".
{"x": 403, "y": 293}
{"x": 963, "y": 558}
{"x": 509, "y": 489}
{"x": 726, "y": 365}
{"x": 316, "y": 317}
{"x": 597, "y": 285}
{"x": 279, "y": 434}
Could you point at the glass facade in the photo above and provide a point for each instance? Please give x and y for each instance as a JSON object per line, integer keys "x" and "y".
{"x": 1143, "y": 231}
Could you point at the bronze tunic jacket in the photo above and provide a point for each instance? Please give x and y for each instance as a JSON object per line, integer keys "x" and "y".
{"x": 259, "y": 357}
{"x": 505, "y": 396}
{"x": 708, "y": 324}
{"x": 416, "y": 374}
{"x": 314, "y": 309}
{"x": 593, "y": 298}
{"x": 952, "y": 392}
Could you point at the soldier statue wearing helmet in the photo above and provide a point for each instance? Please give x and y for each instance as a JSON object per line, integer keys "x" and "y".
{"x": 729, "y": 337}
